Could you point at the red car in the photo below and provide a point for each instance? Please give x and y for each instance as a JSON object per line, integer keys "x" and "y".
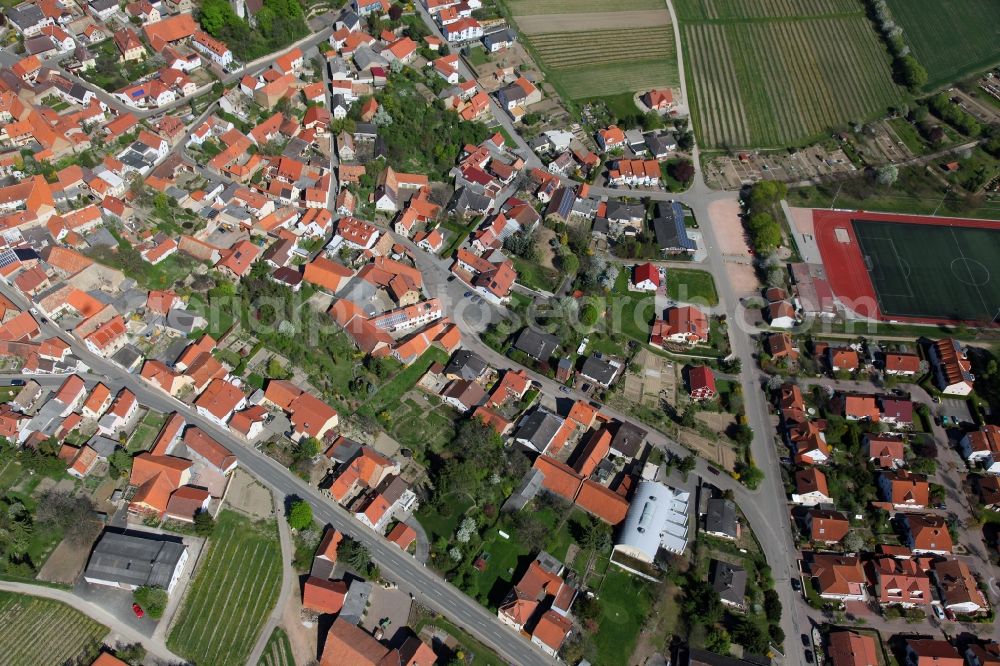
{"x": 137, "y": 609}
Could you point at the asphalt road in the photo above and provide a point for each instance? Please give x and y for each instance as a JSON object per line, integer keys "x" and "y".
{"x": 426, "y": 586}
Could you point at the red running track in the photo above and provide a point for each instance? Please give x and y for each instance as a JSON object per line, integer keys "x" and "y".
{"x": 845, "y": 266}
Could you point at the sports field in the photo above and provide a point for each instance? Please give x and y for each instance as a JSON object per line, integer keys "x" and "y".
{"x": 951, "y": 38}
{"x": 912, "y": 268}
{"x": 775, "y": 73}
{"x": 235, "y": 588}
{"x": 591, "y": 48}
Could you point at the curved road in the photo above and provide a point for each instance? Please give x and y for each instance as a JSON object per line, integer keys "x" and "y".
{"x": 127, "y": 633}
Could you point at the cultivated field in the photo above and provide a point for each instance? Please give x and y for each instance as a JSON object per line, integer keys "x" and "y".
{"x": 699, "y": 10}
{"x": 599, "y": 50}
{"x": 772, "y": 83}
{"x": 529, "y": 7}
{"x": 278, "y": 651}
{"x": 40, "y": 631}
{"x": 951, "y": 38}
{"x": 235, "y": 588}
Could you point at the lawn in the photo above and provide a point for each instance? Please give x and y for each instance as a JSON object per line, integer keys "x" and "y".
{"x": 691, "y": 286}
{"x": 630, "y": 312}
{"x": 478, "y": 56}
{"x": 68, "y": 636}
{"x": 439, "y": 525}
{"x": 233, "y": 592}
{"x": 915, "y": 192}
{"x": 505, "y": 559}
{"x": 392, "y": 391}
{"x": 951, "y": 39}
{"x": 625, "y": 602}
{"x": 278, "y": 651}
{"x": 536, "y": 276}
{"x": 475, "y": 651}
{"x": 144, "y": 433}
{"x": 774, "y": 74}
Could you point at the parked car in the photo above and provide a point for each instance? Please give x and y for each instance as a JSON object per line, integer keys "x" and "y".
{"x": 796, "y": 585}
{"x": 806, "y": 641}
{"x": 137, "y": 609}
{"x": 938, "y": 611}
{"x": 809, "y": 656}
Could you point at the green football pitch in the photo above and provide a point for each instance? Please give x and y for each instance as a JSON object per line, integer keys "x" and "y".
{"x": 923, "y": 270}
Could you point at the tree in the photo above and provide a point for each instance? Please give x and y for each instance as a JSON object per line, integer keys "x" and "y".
{"x": 687, "y": 464}
{"x": 569, "y": 263}
{"x": 204, "y": 524}
{"x": 681, "y": 171}
{"x": 772, "y": 606}
{"x": 356, "y": 556}
{"x": 748, "y": 634}
{"x": 523, "y": 244}
{"x": 911, "y": 72}
{"x": 152, "y": 599}
{"x": 395, "y": 12}
{"x": 589, "y": 314}
{"x": 75, "y": 516}
{"x": 131, "y": 653}
{"x": 887, "y": 175}
{"x": 305, "y": 449}
{"x": 121, "y": 462}
{"x": 300, "y": 515}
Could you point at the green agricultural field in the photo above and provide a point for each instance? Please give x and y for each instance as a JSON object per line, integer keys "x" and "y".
{"x": 278, "y": 651}
{"x": 235, "y": 588}
{"x": 584, "y": 58}
{"x": 537, "y": 7}
{"x": 951, "y": 38}
{"x": 782, "y": 73}
{"x": 67, "y": 634}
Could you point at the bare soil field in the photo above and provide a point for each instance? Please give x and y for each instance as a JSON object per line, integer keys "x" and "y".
{"x": 539, "y": 23}
{"x": 248, "y": 496}
{"x": 65, "y": 563}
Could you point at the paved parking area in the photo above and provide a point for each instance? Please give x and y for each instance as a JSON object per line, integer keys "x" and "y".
{"x": 955, "y": 409}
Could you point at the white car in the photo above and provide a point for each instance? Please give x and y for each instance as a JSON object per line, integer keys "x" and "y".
{"x": 938, "y": 611}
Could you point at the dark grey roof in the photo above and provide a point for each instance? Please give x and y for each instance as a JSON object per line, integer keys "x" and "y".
{"x": 720, "y": 517}
{"x": 467, "y": 201}
{"x": 466, "y": 364}
{"x": 345, "y": 451}
{"x": 730, "y": 581}
{"x": 499, "y": 37}
{"x": 599, "y": 370}
{"x": 127, "y": 356}
{"x": 539, "y": 428}
{"x": 135, "y": 558}
{"x": 621, "y": 211}
{"x": 536, "y": 344}
{"x": 25, "y": 15}
{"x": 365, "y": 130}
{"x": 628, "y": 439}
{"x": 104, "y": 446}
{"x": 661, "y": 143}
{"x": 356, "y": 601}
{"x": 102, "y": 5}
{"x": 671, "y": 234}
